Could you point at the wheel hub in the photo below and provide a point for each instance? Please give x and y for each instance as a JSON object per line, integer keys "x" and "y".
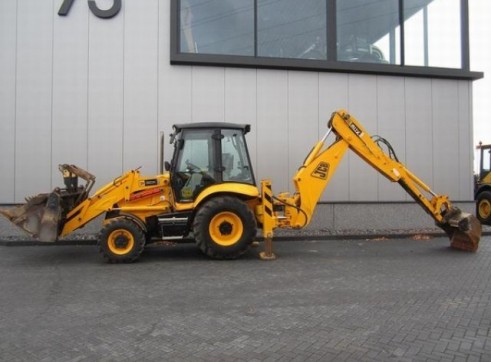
{"x": 225, "y": 228}
{"x": 484, "y": 209}
{"x": 121, "y": 242}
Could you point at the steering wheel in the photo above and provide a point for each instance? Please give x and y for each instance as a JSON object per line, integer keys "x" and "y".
{"x": 192, "y": 167}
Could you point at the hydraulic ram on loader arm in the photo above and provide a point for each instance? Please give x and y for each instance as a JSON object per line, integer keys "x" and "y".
{"x": 295, "y": 211}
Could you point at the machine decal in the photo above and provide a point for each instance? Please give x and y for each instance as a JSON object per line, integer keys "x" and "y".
{"x": 152, "y": 182}
{"x": 146, "y": 193}
{"x": 321, "y": 171}
{"x": 268, "y": 204}
{"x": 355, "y": 129}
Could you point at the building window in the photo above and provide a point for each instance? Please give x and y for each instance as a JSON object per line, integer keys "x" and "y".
{"x": 368, "y": 31}
{"x": 426, "y": 38}
{"x": 432, "y": 33}
{"x": 291, "y": 29}
{"x": 217, "y": 27}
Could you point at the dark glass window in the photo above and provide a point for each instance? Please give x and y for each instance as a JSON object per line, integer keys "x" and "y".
{"x": 407, "y": 37}
{"x": 368, "y": 31}
{"x": 217, "y": 27}
{"x": 291, "y": 29}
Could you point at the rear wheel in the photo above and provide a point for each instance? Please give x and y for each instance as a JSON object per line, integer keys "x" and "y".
{"x": 224, "y": 228}
{"x": 483, "y": 207}
{"x": 121, "y": 240}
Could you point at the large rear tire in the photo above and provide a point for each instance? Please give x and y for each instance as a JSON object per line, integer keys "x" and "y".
{"x": 224, "y": 228}
{"x": 483, "y": 207}
{"x": 121, "y": 240}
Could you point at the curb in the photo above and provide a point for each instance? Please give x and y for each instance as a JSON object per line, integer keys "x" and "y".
{"x": 317, "y": 237}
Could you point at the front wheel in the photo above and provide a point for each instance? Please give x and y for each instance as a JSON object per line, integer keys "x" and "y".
{"x": 224, "y": 228}
{"x": 121, "y": 240}
{"x": 483, "y": 207}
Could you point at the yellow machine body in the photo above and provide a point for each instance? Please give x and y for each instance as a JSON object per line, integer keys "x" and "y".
{"x": 209, "y": 192}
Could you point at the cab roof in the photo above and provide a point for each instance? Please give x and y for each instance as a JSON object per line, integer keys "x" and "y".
{"x": 212, "y": 125}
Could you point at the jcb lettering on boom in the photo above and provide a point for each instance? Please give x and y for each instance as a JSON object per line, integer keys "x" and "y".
{"x": 321, "y": 171}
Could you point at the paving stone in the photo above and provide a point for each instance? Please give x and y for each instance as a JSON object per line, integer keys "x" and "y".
{"x": 351, "y": 300}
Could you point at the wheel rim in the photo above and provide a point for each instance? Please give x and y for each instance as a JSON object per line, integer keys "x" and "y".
{"x": 484, "y": 209}
{"x": 226, "y": 228}
{"x": 120, "y": 242}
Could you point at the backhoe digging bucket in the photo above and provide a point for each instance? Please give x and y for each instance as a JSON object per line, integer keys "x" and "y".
{"x": 463, "y": 229}
{"x": 39, "y": 216}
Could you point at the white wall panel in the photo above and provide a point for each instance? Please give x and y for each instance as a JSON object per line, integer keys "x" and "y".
{"x": 303, "y": 118}
{"x": 391, "y": 126}
{"x": 97, "y": 92}
{"x": 174, "y": 84}
{"x": 362, "y": 104}
{"x": 140, "y": 143}
{"x": 272, "y": 136}
{"x": 33, "y": 97}
{"x": 333, "y": 95}
{"x": 419, "y": 129}
{"x": 8, "y": 34}
{"x": 240, "y": 103}
{"x": 445, "y": 99}
{"x": 70, "y": 76}
{"x": 465, "y": 172}
{"x": 174, "y": 100}
{"x": 208, "y": 94}
{"x": 105, "y": 115}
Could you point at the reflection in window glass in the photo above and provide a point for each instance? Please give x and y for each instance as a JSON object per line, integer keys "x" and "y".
{"x": 432, "y": 33}
{"x": 292, "y": 29}
{"x": 235, "y": 161}
{"x": 368, "y": 31}
{"x": 217, "y": 27}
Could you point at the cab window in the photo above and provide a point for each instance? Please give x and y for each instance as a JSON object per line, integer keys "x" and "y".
{"x": 235, "y": 159}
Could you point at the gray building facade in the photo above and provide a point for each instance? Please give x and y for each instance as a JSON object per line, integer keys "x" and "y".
{"x": 97, "y": 89}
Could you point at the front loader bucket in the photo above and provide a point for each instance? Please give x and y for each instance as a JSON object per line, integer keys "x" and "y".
{"x": 463, "y": 229}
{"x": 39, "y": 216}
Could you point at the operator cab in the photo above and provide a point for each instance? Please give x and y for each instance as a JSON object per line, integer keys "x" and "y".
{"x": 207, "y": 154}
{"x": 485, "y": 162}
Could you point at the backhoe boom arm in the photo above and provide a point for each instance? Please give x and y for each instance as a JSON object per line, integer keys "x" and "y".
{"x": 321, "y": 164}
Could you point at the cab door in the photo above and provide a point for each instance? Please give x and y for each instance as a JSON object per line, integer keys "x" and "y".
{"x": 195, "y": 165}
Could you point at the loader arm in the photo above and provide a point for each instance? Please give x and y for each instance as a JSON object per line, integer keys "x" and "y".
{"x": 102, "y": 201}
{"x": 129, "y": 195}
{"x": 320, "y": 165}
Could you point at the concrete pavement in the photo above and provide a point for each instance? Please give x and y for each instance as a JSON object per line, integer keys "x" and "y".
{"x": 336, "y": 300}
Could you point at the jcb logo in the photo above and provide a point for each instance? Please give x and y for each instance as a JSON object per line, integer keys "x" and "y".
{"x": 321, "y": 171}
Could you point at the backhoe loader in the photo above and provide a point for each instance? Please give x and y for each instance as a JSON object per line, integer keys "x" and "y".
{"x": 208, "y": 191}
